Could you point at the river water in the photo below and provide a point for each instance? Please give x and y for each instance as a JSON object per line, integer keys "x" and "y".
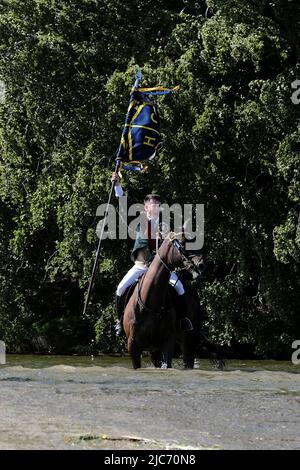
{"x": 63, "y": 402}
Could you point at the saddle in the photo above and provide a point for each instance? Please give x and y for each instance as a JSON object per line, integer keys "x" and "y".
{"x": 124, "y": 299}
{"x": 171, "y": 298}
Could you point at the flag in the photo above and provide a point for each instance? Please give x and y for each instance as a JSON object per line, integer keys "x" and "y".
{"x": 141, "y": 138}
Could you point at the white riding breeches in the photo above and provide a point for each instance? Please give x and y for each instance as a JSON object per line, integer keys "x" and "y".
{"x": 135, "y": 273}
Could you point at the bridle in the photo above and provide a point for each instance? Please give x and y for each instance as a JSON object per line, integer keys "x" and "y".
{"x": 188, "y": 264}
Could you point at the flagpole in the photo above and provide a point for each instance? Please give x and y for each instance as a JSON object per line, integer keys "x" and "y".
{"x": 97, "y": 258}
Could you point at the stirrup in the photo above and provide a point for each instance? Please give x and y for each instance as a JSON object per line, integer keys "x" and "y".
{"x": 186, "y": 324}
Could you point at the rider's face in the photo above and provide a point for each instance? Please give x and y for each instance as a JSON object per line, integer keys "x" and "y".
{"x": 152, "y": 208}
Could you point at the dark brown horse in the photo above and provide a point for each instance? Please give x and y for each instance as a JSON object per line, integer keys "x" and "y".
{"x": 150, "y": 320}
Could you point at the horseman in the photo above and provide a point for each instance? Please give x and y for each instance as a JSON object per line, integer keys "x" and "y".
{"x": 142, "y": 254}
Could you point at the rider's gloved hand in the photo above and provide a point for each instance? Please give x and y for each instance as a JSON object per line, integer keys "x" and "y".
{"x": 115, "y": 178}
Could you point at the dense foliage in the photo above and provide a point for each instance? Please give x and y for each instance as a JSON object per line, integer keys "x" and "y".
{"x": 231, "y": 142}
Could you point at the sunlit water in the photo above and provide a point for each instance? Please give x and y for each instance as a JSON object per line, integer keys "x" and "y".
{"x": 64, "y": 402}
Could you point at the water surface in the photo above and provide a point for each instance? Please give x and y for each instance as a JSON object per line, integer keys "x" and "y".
{"x": 65, "y": 402}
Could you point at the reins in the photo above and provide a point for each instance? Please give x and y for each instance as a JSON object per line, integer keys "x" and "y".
{"x": 173, "y": 236}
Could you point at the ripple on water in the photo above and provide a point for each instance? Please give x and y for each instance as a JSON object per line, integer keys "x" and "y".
{"x": 238, "y": 380}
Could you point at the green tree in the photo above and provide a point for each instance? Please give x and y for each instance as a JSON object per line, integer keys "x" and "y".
{"x": 231, "y": 141}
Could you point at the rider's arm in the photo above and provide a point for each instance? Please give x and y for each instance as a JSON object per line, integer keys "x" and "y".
{"x": 119, "y": 191}
{"x": 118, "y": 188}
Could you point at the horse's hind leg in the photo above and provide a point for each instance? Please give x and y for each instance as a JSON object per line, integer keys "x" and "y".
{"x": 167, "y": 354}
{"x": 135, "y": 354}
{"x": 189, "y": 348}
{"x": 156, "y": 358}
{"x": 188, "y": 362}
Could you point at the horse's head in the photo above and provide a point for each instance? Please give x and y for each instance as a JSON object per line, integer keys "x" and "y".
{"x": 176, "y": 255}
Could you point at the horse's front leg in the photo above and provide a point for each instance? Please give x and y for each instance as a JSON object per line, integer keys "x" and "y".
{"x": 135, "y": 353}
{"x": 189, "y": 349}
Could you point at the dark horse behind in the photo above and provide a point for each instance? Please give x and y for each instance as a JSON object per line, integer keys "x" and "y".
{"x": 151, "y": 317}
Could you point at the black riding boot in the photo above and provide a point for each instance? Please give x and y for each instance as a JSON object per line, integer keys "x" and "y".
{"x": 181, "y": 307}
{"x": 120, "y": 311}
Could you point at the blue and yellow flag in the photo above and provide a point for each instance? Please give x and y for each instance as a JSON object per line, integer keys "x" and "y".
{"x": 141, "y": 138}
